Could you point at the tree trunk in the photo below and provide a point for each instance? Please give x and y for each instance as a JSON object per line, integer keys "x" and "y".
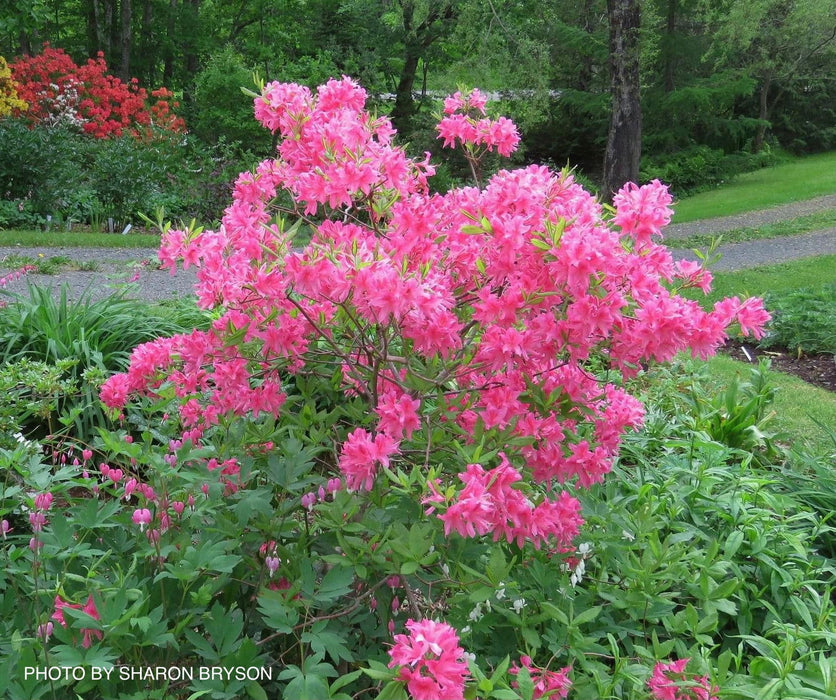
{"x": 125, "y": 41}
{"x": 403, "y": 108}
{"x": 404, "y": 105}
{"x": 668, "y": 46}
{"x": 108, "y": 32}
{"x": 623, "y": 154}
{"x": 145, "y": 43}
{"x": 763, "y": 114}
{"x": 99, "y": 31}
{"x": 170, "y": 40}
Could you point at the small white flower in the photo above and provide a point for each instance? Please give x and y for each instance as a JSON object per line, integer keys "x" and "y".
{"x": 465, "y": 629}
{"x": 629, "y": 536}
{"x": 584, "y": 548}
{"x": 500, "y": 594}
{"x": 476, "y": 614}
{"x": 445, "y": 569}
{"x": 518, "y": 605}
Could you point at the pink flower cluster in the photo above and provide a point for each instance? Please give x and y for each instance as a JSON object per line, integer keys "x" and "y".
{"x": 547, "y": 684}
{"x": 490, "y": 504}
{"x": 464, "y": 123}
{"x": 431, "y": 661}
{"x": 89, "y": 608}
{"x": 670, "y": 682}
{"x": 15, "y": 275}
{"x": 487, "y": 313}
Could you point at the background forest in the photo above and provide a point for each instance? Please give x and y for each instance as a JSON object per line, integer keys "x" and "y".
{"x": 724, "y": 86}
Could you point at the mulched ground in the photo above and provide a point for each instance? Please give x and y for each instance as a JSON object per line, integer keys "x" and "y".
{"x": 814, "y": 369}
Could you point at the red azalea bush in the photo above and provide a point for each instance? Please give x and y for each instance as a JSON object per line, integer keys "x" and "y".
{"x": 60, "y": 92}
{"x": 474, "y": 346}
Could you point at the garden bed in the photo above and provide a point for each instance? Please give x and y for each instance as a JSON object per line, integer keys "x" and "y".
{"x": 814, "y": 368}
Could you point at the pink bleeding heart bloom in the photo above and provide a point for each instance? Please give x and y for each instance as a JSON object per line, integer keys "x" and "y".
{"x": 43, "y": 501}
{"x": 142, "y": 517}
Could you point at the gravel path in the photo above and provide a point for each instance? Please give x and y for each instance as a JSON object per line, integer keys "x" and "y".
{"x": 739, "y": 256}
{"x": 115, "y": 267}
{"x": 752, "y": 218}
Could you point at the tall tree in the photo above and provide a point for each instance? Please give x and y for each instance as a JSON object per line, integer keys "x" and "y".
{"x": 778, "y": 43}
{"x": 623, "y": 152}
{"x": 125, "y": 40}
{"x": 423, "y": 22}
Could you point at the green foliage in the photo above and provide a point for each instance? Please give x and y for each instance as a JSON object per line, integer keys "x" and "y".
{"x": 41, "y": 172}
{"x": 31, "y": 391}
{"x": 802, "y": 412}
{"x": 222, "y": 110}
{"x": 86, "y": 339}
{"x": 803, "y": 319}
{"x": 694, "y": 547}
{"x": 701, "y": 168}
{"x": 58, "y": 173}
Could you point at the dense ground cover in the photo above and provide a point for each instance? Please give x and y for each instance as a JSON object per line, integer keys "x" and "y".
{"x": 201, "y": 523}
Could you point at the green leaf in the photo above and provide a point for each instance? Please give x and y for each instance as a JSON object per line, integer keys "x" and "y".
{"x": 733, "y": 542}
{"x": 337, "y": 582}
{"x": 256, "y": 692}
{"x": 344, "y": 680}
{"x": 555, "y": 613}
{"x": 393, "y": 691}
{"x": 324, "y": 641}
{"x": 587, "y": 615}
{"x": 724, "y": 590}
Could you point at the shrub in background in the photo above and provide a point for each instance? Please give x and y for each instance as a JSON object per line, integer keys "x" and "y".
{"x": 222, "y": 110}
{"x": 699, "y": 168}
{"x": 86, "y": 97}
{"x": 9, "y": 99}
{"x": 55, "y": 171}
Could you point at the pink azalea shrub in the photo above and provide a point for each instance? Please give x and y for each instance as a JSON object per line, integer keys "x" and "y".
{"x": 480, "y": 310}
{"x": 479, "y": 340}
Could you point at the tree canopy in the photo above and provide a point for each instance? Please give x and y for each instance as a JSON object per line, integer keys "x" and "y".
{"x": 717, "y": 75}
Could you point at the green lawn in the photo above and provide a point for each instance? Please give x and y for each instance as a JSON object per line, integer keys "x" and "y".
{"x": 69, "y": 239}
{"x": 800, "y": 179}
{"x": 757, "y": 281}
{"x": 800, "y": 408}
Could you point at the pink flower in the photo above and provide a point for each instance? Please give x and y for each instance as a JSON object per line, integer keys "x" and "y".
{"x": 89, "y": 608}
{"x": 272, "y": 564}
{"x": 550, "y": 684}
{"x": 642, "y": 211}
{"x": 37, "y": 520}
{"x": 360, "y": 456}
{"x": 752, "y": 317}
{"x": 398, "y": 415}
{"x": 431, "y": 661}
{"x": 142, "y": 517}
{"x": 114, "y": 392}
{"x": 670, "y": 682}
{"x": 43, "y": 501}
